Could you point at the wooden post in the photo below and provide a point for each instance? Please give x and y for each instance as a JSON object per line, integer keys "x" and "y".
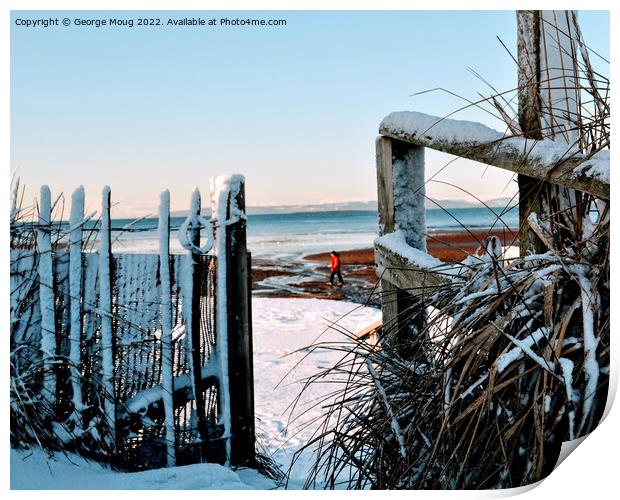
{"x": 166, "y": 327}
{"x": 46, "y": 299}
{"x": 75, "y": 297}
{"x": 530, "y": 189}
{"x": 400, "y": 168}
{"x": 548, "y": 101}
{"x": 195, "y": 335}
{"x": 105, "y": 307}
{"x": 240, "y": 365}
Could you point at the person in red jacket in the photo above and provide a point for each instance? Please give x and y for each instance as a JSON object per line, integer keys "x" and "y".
{"x": 335, "y": 268}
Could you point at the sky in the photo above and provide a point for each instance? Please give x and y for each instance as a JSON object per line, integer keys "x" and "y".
{"x": 294, "y": 108}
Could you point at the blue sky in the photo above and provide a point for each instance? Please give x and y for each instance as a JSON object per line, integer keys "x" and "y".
{"x": 294, "y": 108}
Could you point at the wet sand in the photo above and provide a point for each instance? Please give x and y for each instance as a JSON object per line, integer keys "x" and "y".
{"x": 308, "y": 277}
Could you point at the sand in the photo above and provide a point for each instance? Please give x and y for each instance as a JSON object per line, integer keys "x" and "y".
{"x": 308, "y": 278}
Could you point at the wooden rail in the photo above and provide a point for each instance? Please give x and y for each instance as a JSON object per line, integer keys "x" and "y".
{"x": 408, "y": 273}
{"x": 474, "y": 141}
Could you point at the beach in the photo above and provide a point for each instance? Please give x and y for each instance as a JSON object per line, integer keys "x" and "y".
{"x": 308, "y": 276}
{"x": 291, "y": 251}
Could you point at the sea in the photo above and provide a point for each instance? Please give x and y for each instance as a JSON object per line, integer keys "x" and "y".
{"x": 293, "y": 235}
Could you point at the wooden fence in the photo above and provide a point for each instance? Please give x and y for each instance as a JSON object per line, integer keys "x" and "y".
{"x": 407, "y": 272}
{"x": 145, "y": 359}
{"x": 541, "y": 151}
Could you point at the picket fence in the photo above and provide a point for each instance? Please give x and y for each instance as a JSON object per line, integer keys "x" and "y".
{"x": 144, "y": 360}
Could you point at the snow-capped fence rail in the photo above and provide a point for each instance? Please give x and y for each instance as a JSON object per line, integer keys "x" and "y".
{"x": 545, "y": 160}
{"x": 146, "y": 359}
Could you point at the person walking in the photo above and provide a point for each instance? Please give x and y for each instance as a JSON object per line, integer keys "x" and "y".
{"x": 335, "y": 269}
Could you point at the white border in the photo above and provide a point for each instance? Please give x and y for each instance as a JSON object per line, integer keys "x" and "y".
{"x": 589, "y": 473}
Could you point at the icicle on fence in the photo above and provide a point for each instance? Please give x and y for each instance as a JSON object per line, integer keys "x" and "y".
{"x": 146, "y": 359}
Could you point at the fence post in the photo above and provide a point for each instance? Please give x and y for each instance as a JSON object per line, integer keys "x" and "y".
{"x": 75, "y": 293}
{"x": 240, "y": 365}
{"x": 530, "y": 190}
{"x": 400, "y": 169}
{"x": 166, "y": 326}
{"x": 46, "y": 298}
{"x": 196, "y": 308}
{"x": 105, "y": 306}
{"x": 548, "y": 108}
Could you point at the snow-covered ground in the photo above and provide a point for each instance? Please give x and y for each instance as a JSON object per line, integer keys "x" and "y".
{"x": 282, "y": 329}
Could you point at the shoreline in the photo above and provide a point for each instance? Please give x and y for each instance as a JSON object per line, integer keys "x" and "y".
{"x": 308, "y": 276}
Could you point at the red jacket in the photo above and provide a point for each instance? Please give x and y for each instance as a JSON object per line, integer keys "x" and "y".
{"x": 335, "y": 265}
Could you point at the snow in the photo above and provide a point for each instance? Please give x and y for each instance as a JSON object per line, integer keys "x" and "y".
{"x": 517, "y": 352}
{"x": 546, "y": 152}
{"x": 558, "y": 85}
{"x": 396, "y": 243}
{"x": 590, "y": 344}
{"x": 444, "y": 130}
{"x": 282, "y": 329}
{"x": 141, "y": 401}
{"x": 193, "y": 222}
{"x": 33, "y": 470}
{"x": 186, "y": 277}
{"x": 596, "y": 167}
{"x": 409, "y": 197}
{"x": 75, "y": 293}
{"x": 567, "y": 374}
{"x": 224, "y": 190}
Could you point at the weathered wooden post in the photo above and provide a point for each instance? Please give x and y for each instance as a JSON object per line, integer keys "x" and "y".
{"x": 401, "y": 197}
{"x": 196, "y": 308}
{"x": 46, "y": 299}
{"x": 105, "y": 306}
{"x": 240, "y": 369}
{"x": 234, "y": 323}
{"x": 75, "y": 294}
{"x": 548, "y": 101}
{"x": 166, "y": 327}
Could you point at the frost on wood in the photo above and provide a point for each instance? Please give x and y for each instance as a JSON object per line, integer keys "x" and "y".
{"x": 46, "y": 297}
{"x": 166, "y": 326}
{"x": 409, "y": 197}
{"x": 105, "y": 307}
{"x": 75, "y": 293}
{"x": 224, "y": 191}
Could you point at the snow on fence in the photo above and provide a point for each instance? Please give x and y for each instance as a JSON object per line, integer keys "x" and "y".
{"x": 146, "y": 359}
{"x": 407, "y": 272}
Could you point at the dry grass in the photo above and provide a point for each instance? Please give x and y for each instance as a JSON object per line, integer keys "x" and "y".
{"x": 511, "y": 360}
